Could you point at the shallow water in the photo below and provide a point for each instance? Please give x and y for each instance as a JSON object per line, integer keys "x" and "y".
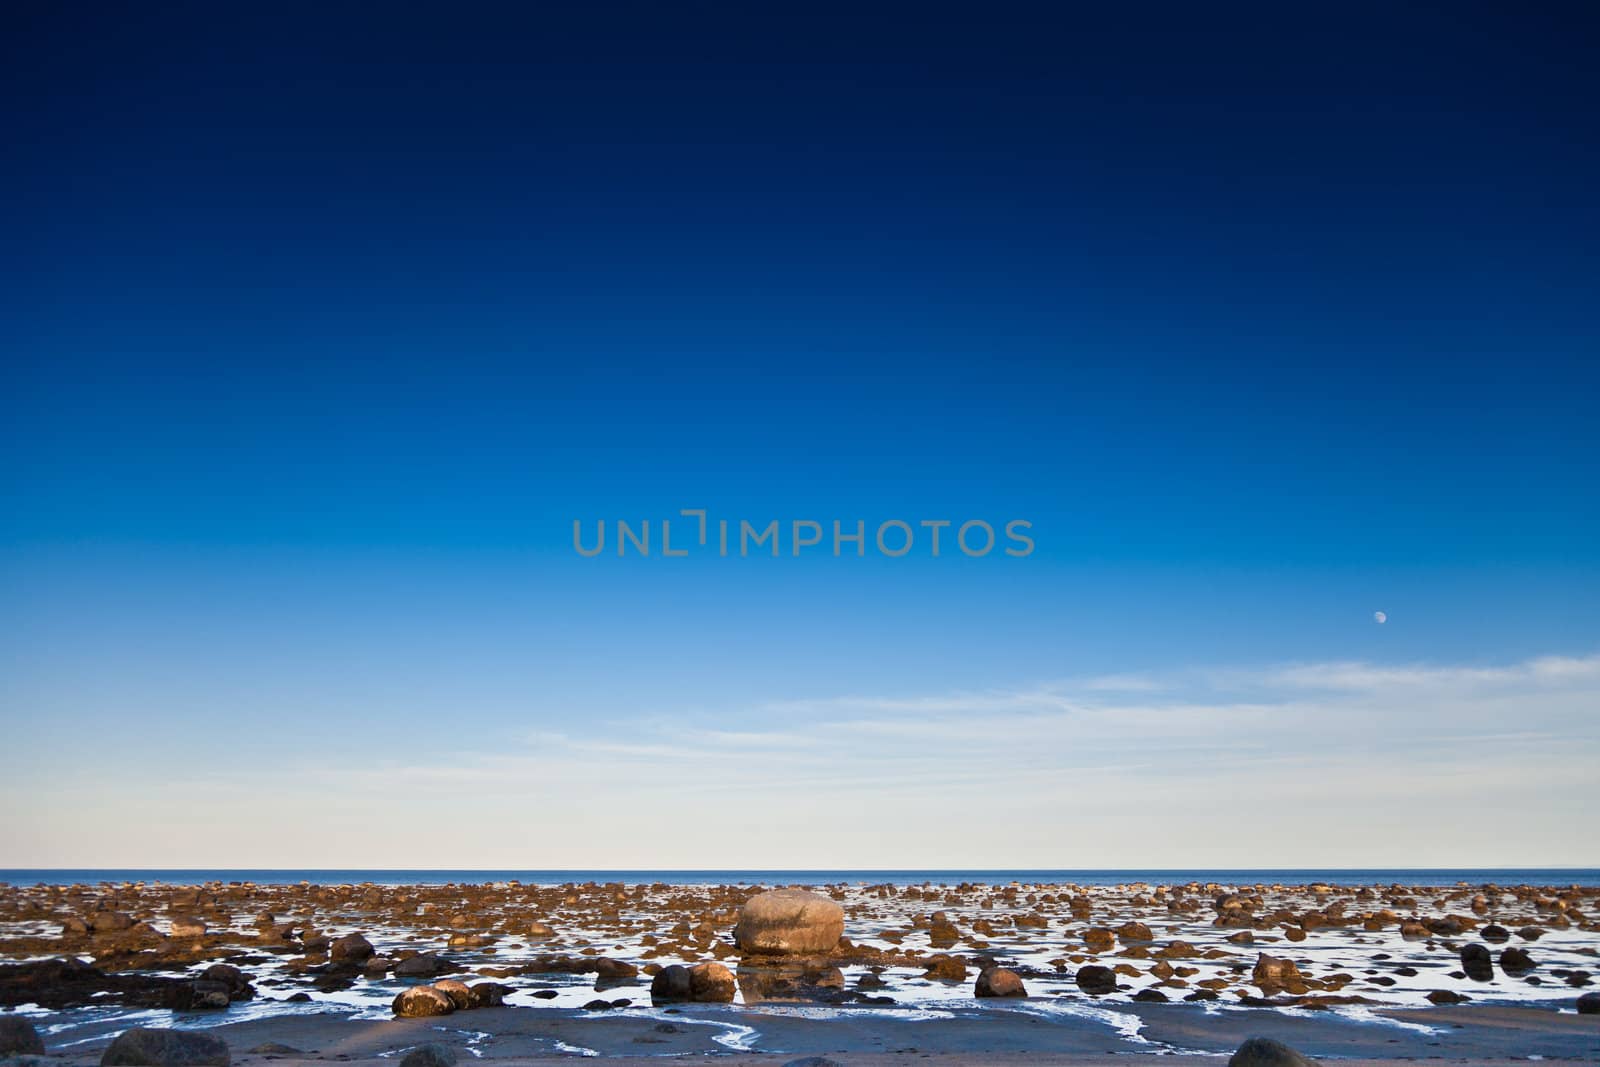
{"x": 1047, "y": 957}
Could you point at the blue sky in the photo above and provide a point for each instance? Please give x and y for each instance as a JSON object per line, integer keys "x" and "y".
{"x": 322, "y": 331}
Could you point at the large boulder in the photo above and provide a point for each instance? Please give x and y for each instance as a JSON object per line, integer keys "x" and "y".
{"x": 19, "y": 1038}
{"x": 1589, "y": 1004}
{"x": 1265, "y": 1052}
{"x": 998, "y": 982}
{"x": 789, "y": 922}
{"x": 142, "y": 1047}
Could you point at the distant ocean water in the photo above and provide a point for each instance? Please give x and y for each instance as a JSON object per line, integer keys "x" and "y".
{"x": 1560, "y": 876}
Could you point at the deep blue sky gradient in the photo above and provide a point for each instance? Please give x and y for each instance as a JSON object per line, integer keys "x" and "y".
{"x": 324, "y": 322}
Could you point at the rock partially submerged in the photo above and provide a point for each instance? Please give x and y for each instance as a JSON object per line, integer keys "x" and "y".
{"x": 789, "y": 922}
{"x": 998, "y": 982}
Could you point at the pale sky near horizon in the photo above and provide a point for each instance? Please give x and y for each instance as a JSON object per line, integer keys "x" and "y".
{"x": 1297, "y": 765}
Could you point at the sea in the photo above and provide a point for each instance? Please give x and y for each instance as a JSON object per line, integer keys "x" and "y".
{"x": 1435, "y": 876}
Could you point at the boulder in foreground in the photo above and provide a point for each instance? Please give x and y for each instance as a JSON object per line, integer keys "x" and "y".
{"x": 19, "y": 1038}
{"x": 143, "y": 1047}
{"x": 432, "y": 1054}
{"x": 1265, "y": 1052}
{"x": 789, "y": 922}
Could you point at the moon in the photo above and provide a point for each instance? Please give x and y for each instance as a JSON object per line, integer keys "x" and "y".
{"x": 1380, "y": 617}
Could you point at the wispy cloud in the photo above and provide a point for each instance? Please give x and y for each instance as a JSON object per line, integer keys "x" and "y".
{"x": 1307, "y": 763}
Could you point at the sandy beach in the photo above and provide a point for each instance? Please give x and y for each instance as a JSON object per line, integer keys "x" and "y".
{"x": 525, "y": 973}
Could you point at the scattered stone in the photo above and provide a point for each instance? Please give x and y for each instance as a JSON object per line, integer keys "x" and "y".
{"x": 1099, "y": 939}
{"x": 274, "y": 1048}
{"x": 1096, "y": 980}
{"x": 1589, "y": 1004}
{"x": 1516, "y": 961}
{"x": 422, "y": 965}
{"x": 1273, "y": 975}
{"x": 813, "y": 1061}
{"x": 145, "y": 1047}
{"x": 188, "y": 928}
{"x": 352, "y": 948}
{"x": 1476, "y": 961}
{"x": 614, "y": 970}
{"x": 1446, "y": 996}
{"x": 998, "y": 982}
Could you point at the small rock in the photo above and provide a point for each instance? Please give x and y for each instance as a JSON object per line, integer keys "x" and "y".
{"x": 711, "y": 983}
{"x": 998, "y": 982}
{"x": 1096, "y": 980}
{"x": 187, "y": 928}
{"x": 422, "y": 965}
{"x": 1516, "y": 961}
{"x": 1273, "y": 975}
{"x": 1265, "y": 1052}
{"x": 432, "y": 1054}
{"x": 487, "y": 994}
{"x": 421, "y": 1002}
{"x": 352, "y": 948}
{"x": 670, "y": 984}
{"x": 19, "y": 1038}
{"x": 145, "y": 1047}
{"x": 1476, "y": 961}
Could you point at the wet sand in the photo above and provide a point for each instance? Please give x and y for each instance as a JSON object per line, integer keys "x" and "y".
{"x": 522, "y": 1035}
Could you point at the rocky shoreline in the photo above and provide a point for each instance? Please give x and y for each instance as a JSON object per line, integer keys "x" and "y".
{"x": 225, "y": 954}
